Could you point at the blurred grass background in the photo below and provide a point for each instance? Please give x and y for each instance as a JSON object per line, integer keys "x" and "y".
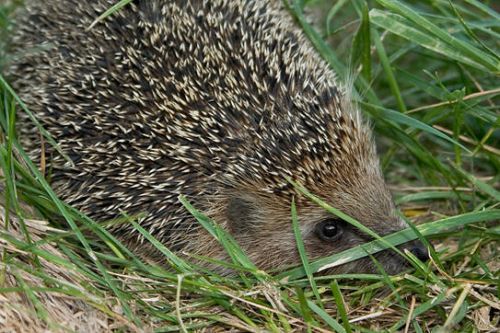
{"x": 426, "y": 74}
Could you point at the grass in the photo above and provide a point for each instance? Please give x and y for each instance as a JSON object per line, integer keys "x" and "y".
{"x": 426, "y": 74}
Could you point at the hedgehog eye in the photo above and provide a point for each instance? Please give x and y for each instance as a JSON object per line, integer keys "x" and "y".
{"x": 329, "y": 229}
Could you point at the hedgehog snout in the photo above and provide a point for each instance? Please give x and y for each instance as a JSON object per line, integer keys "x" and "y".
{"x": 418, "y": 249}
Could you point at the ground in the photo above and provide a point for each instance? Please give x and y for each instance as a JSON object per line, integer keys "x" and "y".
{"x": 426, "y": 75}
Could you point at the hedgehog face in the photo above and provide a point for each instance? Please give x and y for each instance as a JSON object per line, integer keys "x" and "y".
{"x": 333, "y": 235}
{"x": 261, "y": 223}
{"x": 368, "y": 201}
{"x": 265, "y": 232}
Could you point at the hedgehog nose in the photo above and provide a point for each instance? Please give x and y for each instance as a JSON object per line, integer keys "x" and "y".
{"x": 420, "y": 251}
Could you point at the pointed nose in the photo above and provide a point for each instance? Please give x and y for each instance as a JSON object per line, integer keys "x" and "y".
{"x": 420, "y": 251}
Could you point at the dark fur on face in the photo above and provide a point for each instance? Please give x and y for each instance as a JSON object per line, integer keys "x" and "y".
{"x": 217, "y": 100}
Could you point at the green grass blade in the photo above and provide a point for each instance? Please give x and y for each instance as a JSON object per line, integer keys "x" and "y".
{"x": 397, "y": 238}
{"x": 177, "y": 262}
{"x": 361, "y": 51}
{"x": 404, "y": 119}
{"x": 484, "y": 187}
{"x": 332, "y": 322}
{"x": 339, "y": 300}
{"x": 229, "y": 244}
{"x": 46, "y": 135}
{"x": 391, "y": 79}
{"x": 400, "y": 26}
{"x": 302, "y": 252}
{"x": 113, "y": 9}
{"x": 460, "y": 46}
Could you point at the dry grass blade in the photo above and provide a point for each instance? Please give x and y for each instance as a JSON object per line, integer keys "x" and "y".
{"x": 64, "y": 311}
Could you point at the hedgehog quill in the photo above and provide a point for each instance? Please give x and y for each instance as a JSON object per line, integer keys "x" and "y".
{"x": 217, "y": 100}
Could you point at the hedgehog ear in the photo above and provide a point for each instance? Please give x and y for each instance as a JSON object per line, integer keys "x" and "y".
{"x": 241, "y": 214}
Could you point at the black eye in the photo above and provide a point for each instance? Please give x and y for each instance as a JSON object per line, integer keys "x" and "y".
{"x": 329, "y": 229}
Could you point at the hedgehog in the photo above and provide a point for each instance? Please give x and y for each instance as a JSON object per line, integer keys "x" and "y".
{"x": 221, "y": 101}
